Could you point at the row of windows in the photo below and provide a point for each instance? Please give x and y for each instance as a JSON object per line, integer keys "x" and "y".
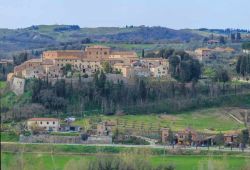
{"x": 105, "y": 53}
{"x": 47, "y": 123}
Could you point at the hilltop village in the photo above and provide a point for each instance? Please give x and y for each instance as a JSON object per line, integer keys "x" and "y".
{"x": 85, "y": 63}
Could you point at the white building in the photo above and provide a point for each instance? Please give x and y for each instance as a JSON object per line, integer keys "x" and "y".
{"x": 48, "y": 124}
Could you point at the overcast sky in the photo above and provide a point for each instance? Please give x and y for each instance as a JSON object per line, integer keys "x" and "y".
{"x": 94, "y": 13}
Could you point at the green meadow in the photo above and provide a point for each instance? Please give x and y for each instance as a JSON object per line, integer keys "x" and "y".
{"x": 41, "y": 161}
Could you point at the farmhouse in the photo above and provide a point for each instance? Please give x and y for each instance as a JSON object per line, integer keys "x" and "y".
{"x": 205, "y": 54}
{"x": 47, "y": 124}
{"x": 230, "y": 138}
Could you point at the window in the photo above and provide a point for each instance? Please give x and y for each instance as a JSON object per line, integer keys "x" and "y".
{"x": 47, "y": 123}
{"x": 53, "y": 123}
{"x": 41, "y": 122}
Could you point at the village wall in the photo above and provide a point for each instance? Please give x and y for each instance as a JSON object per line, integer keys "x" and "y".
{"x": 17, "y": 85}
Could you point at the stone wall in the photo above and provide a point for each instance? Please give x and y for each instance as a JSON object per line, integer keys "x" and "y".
{"x": 65, "y": 139}
{"x": 17, "y": 85}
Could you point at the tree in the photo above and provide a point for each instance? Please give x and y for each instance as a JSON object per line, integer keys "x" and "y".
{"x": 107, "y": 68}
{"x": 36, "y": 88}
{"x": 238, "y": 64}
{"x": 219, "y": 139}
{"x": 20, "y": 58}
{"x": 243, "y": 65}
{"x": 245, "y": 136}
{"x": 170, "y": 137}
{"x": 67, "y": 68}
{"x": 189, "y": 139}
{"x": 183, "y": 67}
{"x": 246, "y": 46}
{"x": 142, "y": 53}
{"x": 238, "y": 36}
{"x": 205, "y": 40}
{"x": 233, "y": 37}
{"x": 174, "y": 62}
{"x": 222, "y": 40}
{"x": 222, "y": 75}
{"x": 60, "y": 88}
{"x": 142, "y": 90}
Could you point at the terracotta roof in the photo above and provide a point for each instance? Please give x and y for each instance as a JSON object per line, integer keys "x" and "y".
{"x": 64, "y": 51}
{"x": 34, "y": 60}
{"x": 97, "y": 46}
{"x": 43, "y": 119}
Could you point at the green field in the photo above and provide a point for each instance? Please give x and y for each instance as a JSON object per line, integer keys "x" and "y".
{"x": 9, "y": 137}
{"x": 205, "y": 120}
{"x": 61, "y": 156}
{"x": 3, "y": 84}
{"x": 43, "y": 161}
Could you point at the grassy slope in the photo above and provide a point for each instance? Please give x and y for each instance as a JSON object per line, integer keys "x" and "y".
{"x": 9, "y": 137}
{"x": 9, "y": 99}
{"x": 209, "y": 120}
{"x": 3, "y": 84}
{"x": 59, "y": 162}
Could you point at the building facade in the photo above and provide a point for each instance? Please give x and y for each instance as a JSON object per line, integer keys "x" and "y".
{"x": 46, "y": 124}
{"x": 52, "y": 64}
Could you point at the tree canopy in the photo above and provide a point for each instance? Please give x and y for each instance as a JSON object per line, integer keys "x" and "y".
{"x": 243, "y": 65}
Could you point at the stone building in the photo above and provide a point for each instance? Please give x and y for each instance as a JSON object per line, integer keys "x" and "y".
{"x": 205, "y": 54}
{"x": 103, "y": 129}
{"x": 52, "y": 64}
{"x": 47, "y": 124}
{"x": 164, "y": 135}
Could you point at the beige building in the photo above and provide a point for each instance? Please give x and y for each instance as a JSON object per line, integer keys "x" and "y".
{"x": 159, "y": 71}
{"x": 47, "y": 124}
{"x": 125, "y": 69}
{"x": 203, "y": 54}
{"x": 89, "y": 61}
{"x": 62, "y": 54}
{"x": 164, "y": 135}
{"x": 103, "y": 129}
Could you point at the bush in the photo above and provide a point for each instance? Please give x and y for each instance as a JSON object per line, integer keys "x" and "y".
{"x": 26, "y": 133}
{"x": 131, "y": 140}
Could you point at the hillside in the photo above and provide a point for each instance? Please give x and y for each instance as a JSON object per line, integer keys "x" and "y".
{"x": 43, "y": 36}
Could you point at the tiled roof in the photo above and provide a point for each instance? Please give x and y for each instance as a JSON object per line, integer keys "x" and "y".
{"x": 98, "y": 46}
{"x": 34, "y": 60}
{"x": 43, "y": 119}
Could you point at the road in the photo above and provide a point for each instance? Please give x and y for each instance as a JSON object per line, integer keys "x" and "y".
{"x": 144, "y": 146}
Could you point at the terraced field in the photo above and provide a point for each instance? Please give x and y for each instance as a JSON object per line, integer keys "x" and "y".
{"x": 207, "y": 120}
